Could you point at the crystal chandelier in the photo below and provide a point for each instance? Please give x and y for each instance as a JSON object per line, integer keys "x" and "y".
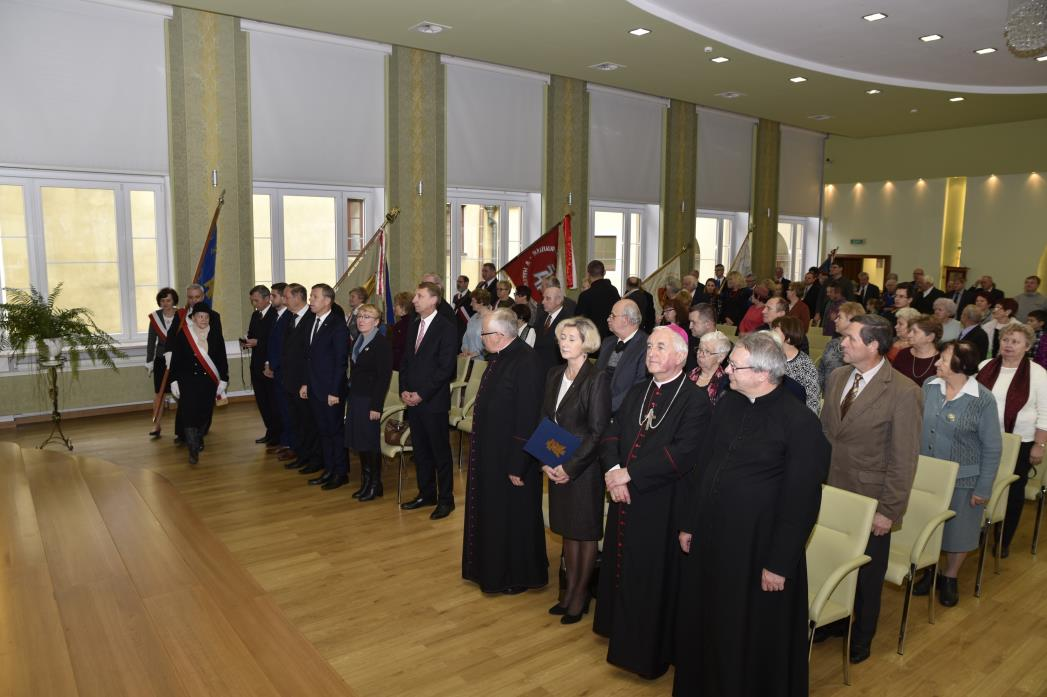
{"x": 1026, "y": 28}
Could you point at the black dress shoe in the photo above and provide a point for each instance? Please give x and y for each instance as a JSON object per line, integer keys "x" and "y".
{"x": 558, "y": 609}
{"x": 859, "y": 653}
{"x": 179, "y": 440}
{"x": 442, "y": 511}
{"x": 154, "y": 434}
{"x": 322, "y": 479}
{"x": 311, "y": 469}
{"x": 949, "y": 594}
{"x": 294, "y": 464}
{"x": 263, "y": 439}
{"x": 417, "y": 502}
{"x": 923, "y": 586}
{"x": 335, "y": 482}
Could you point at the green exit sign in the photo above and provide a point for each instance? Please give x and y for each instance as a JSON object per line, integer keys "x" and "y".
{"x": 858, "y": 241}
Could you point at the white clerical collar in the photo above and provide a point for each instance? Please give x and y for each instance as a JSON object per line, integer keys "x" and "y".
{"x": 666, "y": 382}
{"x": 970, "y": 387}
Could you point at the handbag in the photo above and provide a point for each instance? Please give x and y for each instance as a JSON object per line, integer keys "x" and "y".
{"x": 395, "y": 432}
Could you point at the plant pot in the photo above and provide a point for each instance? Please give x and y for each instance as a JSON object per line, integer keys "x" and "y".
{"x": 54, "y": 349}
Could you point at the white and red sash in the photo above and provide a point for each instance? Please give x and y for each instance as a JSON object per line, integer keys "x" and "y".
{"x": 156, "y": 320}
{"x": 201, "y": 356}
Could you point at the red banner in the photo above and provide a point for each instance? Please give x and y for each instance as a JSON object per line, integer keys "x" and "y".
{"x": 532, "y": 265}
{"x": 568, "y": 247}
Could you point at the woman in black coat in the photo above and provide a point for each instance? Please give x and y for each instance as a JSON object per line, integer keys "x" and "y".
{"x": 578, "y": 399}
{"x": 199, "y": 374}
{"x": 163, "y": 327}
{"x": 370, "y": 371}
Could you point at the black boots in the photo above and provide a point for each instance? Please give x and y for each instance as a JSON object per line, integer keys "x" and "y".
{"x": 192, "y": 441}
{"x": 949, "y": 594}
{"x": 372, "y": 476}
{"x": 365, "y": 476}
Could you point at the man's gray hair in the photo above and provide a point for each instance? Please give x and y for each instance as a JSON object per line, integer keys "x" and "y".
{"x": 947, "y": 303}
{"x": 503, "y": 321}
{"x": 436, "y": 278}
{"x": 196, "y": 286}
{"x": 678, "y": 344}
{"x": 631, "y": 311}
{"x": 765, "y": 355}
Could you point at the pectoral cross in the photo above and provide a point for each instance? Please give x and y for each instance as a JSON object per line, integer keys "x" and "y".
{"x": 648, "y": 419}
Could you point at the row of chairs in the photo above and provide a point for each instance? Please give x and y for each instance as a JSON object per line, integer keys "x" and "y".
{"x": 836, "y": 548}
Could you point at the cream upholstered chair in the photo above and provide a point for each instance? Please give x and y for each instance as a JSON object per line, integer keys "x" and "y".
{"x": 396, "y": 451}
{"x": 461, "y": 417}
{"x": 996, "y": 507}
{"x": 918, "y": 544}
{"x": 1036, "y": 490}
{"x": 835, "y": 551}
{"x": 459, "y": 387}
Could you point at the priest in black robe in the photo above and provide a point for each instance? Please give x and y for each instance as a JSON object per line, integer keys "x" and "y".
{"x": 745, "y": 515}
{"x": 503, "y": 550}
{"x": 650, "y": 445}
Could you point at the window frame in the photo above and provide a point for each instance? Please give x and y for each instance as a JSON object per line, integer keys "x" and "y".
{"x": 121, "y": 184}
{"x": 627, "y": 210}
{"x": 457, "y": 197}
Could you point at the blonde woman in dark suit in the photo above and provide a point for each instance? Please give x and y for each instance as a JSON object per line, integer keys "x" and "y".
{"x": 578, "y": 399}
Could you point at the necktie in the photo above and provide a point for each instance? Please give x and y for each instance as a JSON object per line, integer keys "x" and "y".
{"x": 851, "y": 396}
{"x": 316, "y": 327}
{"x": 548, "y": 323}
{"x": 421, "y": 333}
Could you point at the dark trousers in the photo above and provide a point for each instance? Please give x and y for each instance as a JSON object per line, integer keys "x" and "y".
{"x": 308, "y": 447}
{"x": 263, "y": 398}
{"x": 432, "y": 454}
{"x": 870, "y": 587}
{"x": 282, "y": 400}
{"x": 1016, "y": 494}
{"x": 329, "y": 433}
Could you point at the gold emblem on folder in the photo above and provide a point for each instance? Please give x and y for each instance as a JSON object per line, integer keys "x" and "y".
{"x": 555, "y": 447}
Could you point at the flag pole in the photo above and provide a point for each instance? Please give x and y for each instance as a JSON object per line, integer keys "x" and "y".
{"x": 207, "y": 240}
{"x": 670, "y": 261}
{"x": 738, "y": 254}
{"x": 390, "y": 217}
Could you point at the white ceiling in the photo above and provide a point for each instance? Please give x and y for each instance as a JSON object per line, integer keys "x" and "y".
{"x": 830, "y": 36}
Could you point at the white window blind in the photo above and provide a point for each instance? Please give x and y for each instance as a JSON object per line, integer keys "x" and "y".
{"x": 317, "y": 107}
{"x": 83, "y": 85}
{"x": 494, "y": 126}
{"x": 625, "y": 145}
{"x": 725, "y": 161}
{"x": 800, "y": 172}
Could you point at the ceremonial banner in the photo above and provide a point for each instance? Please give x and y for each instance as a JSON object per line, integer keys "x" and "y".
{"x": 743, "y": 260}
{"x": 207, "y": 265}
{"x": 370, "y": 271}
{"x": 654, "y": 283}
{"x": 536, "y": 262}
{"x": 552, "y": 445}
{"x": 568, "y": 250}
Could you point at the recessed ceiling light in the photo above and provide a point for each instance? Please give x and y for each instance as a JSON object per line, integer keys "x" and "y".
{"x": 930, "y": 37}
{"x": 607, "y": 66}
{"x": 820, "y": 117}
{"x": 913, "y": 111}
{"x": 983, "y": 51}
{"x": 730, "y": 95}
{"x": 874, "y": 17}
{"x": 639, "y": 31}
{"x": 797, "y": 79}
{"x": 872, "y": 91}
{"x": 720, "y": 59}
{"x": 1041, "y": 59}
{"x": 955, "y": 99}
{"x": 429, "y": 28}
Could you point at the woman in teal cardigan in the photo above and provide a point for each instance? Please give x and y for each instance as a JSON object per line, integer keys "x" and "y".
{"x": 960, "y": 423}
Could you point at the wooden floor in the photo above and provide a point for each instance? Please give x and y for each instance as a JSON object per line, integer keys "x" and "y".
{"x": 378, "y": 592}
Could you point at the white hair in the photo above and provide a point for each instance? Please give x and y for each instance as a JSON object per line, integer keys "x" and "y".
{"x": 678, "y": 344}
{"x": 503, "y": 321}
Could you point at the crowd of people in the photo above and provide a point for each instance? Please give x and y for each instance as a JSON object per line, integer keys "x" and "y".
{"x": 700, "y": 459}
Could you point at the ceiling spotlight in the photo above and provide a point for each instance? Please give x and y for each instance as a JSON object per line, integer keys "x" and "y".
{"x": 607, "y": 66}
{"x": 930, "y": 37}
{"x": 429, "y": 28}
{"x": 1041, "y": 59}
{"x": 797, "y": 79}
{"x": 913, "y": 110}
{"x": 874, "y": 17}
{"x": 872, "y": 91}
{"x": 955, "y": 99}
{"x": 820, "y": 117}
{"x": 720, "y": 59}
{"x": 639, "y": 31}
{"x": 984, "y": 51}
{"x": 730, "y": 94}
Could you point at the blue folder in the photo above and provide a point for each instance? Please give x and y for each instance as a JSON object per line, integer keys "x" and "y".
{"x": 551, "y": 444}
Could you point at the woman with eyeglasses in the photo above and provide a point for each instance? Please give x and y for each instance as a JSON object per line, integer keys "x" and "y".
{"x": 709, "y": 375}
{"x": 370, "y": 371}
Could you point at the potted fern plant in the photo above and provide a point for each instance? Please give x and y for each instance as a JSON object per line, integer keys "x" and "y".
{"x": 29, "y": 320}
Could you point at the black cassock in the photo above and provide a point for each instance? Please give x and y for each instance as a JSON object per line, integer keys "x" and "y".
{"x": 504, "y": 542}
{"x": 639, "y": 570}
{"x": 751, "y": 505}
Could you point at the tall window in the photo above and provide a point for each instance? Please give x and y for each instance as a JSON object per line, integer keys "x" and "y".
{"x": 790, "y": 254}
{"x": 616, "y": 240}
{"x": 102, "y": 237}
{"x": 487, "y": 227}
{"x": 310, "y": 235}
{"x": 712, "y": 233}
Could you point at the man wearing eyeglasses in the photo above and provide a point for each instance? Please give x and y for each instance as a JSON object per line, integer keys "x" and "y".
{"x": 622, "y": 354}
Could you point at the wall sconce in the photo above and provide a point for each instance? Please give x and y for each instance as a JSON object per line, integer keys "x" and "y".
{"x": 683, "y": 206}
{"x": 570, "y": 198}
{"x": 419, "y": 187}
{"x": 214, "y": 178}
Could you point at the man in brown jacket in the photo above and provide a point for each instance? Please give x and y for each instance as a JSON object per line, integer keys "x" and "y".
{"x": 872, "y": 416}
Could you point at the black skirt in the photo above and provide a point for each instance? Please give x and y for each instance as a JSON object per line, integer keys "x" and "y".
{"x": 361, "y": 434}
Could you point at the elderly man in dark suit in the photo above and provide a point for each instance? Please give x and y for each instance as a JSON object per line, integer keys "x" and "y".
{"x": 327, "y": 356}
{"x": 428, "y": 365}
{"x": 926, "y": 294}
{"x": 570, "y": 307}
{"x": 553, "y": 312}
{"x": 866, "y": 291}
{"x": 972, "y": 332}
{"x": 622, "y": 355}
{"x": 635, "y": 291}
{"x": 873, "y": 416}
